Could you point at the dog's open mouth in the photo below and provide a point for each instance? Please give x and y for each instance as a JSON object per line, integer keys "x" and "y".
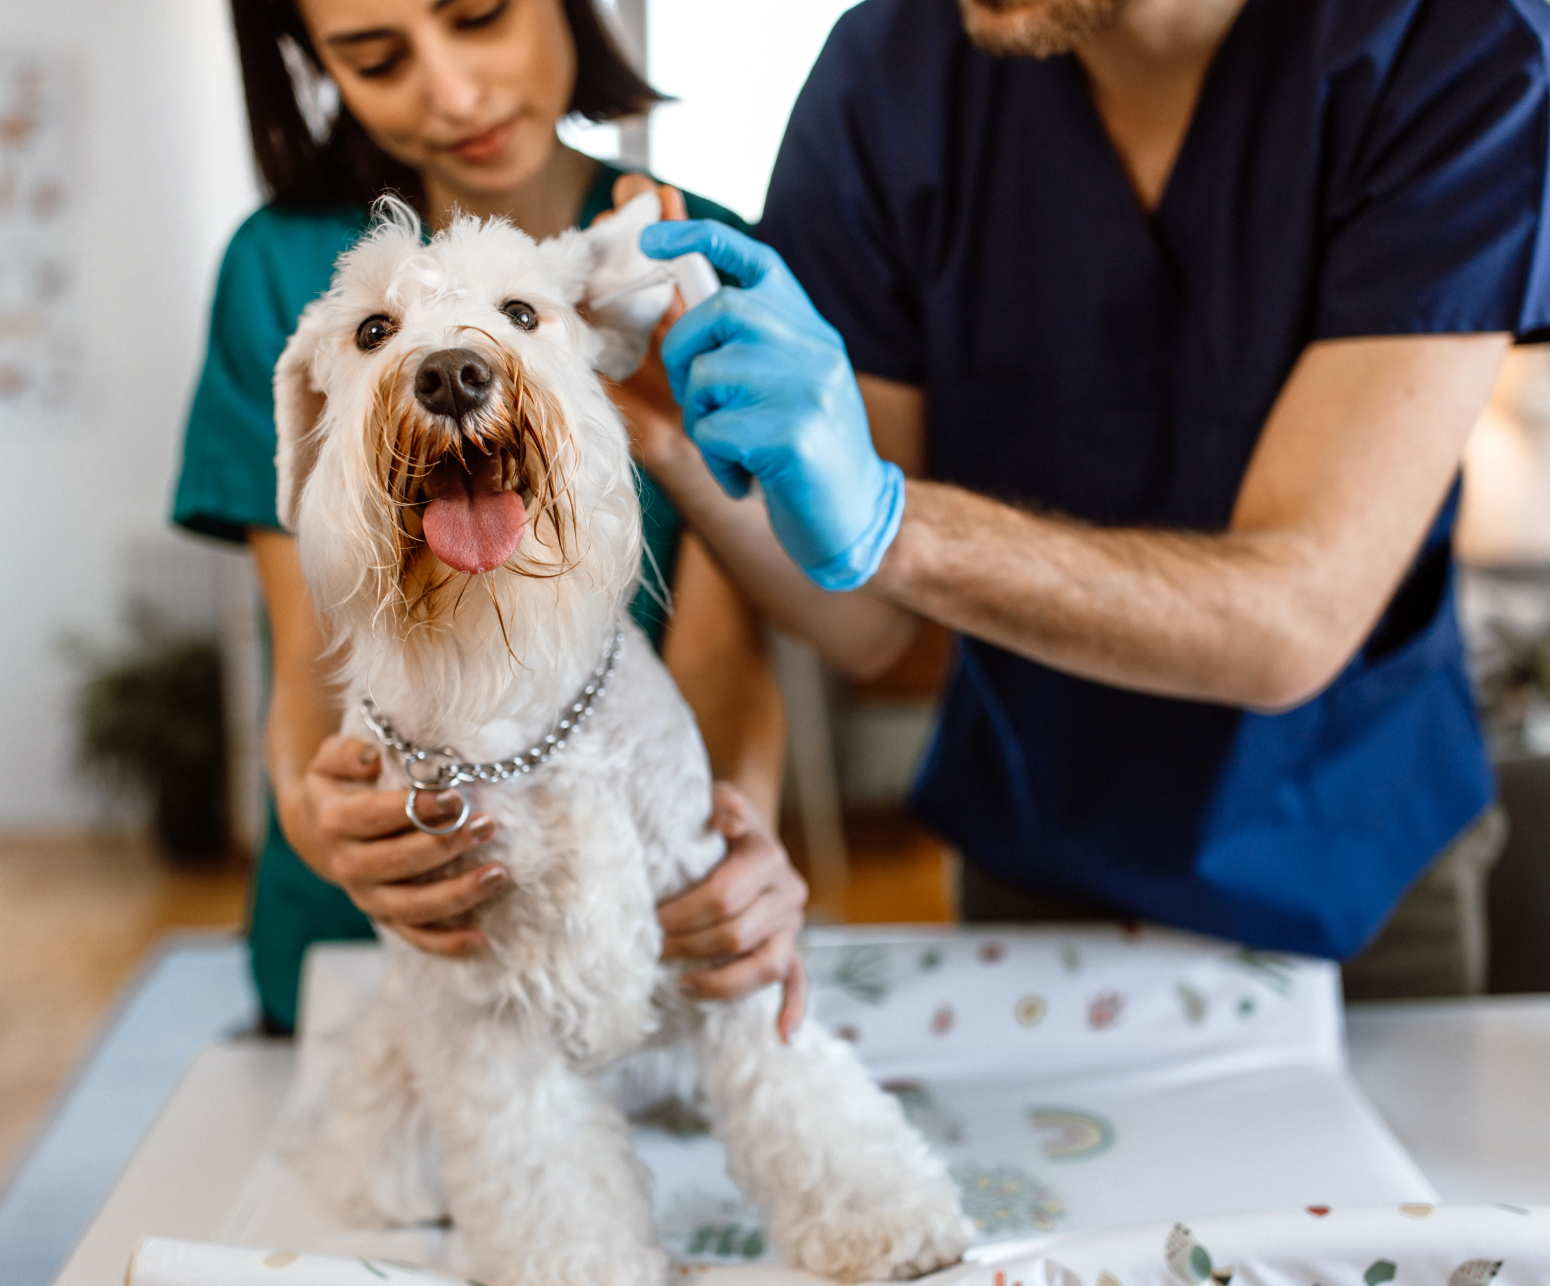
{"x": 469, "y": 495}
{"x": 473, "y": 520}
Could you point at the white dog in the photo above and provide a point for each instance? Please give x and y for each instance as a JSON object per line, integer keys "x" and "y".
{"x": 460, "y": 486}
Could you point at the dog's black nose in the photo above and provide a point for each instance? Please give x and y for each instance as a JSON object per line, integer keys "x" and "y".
{"x": 452, "y": 381}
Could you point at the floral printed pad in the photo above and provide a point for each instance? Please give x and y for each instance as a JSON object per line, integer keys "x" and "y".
{"x": 1413, "y": 1242}
{"x": 1075, "y": 1079}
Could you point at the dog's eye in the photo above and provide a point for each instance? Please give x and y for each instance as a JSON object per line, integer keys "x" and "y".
{"x": 523, "y": 315}
{"x": 375, "y": 331}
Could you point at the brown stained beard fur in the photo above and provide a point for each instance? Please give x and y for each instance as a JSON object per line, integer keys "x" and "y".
{"x": 404, "y": 444}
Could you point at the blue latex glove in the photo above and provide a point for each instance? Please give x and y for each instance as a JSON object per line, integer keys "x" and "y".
{"x": 768, "y": 391}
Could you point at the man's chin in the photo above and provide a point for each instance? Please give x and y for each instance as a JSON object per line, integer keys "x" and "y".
{"x": 1035, "y": 28}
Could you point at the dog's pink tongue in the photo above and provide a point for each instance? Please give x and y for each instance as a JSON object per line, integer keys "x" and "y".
{"x": 474, "y": 528}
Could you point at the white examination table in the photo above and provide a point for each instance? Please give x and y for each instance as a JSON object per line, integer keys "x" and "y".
{"x": 1152, "y": 1077}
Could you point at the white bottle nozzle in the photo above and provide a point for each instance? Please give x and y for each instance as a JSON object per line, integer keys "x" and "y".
{"x": 696, "y": 279}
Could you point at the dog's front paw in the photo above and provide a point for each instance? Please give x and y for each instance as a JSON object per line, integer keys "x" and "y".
{"x": 889, "y": 1242}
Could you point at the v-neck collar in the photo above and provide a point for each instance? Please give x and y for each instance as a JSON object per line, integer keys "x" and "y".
{"x": 1200, "y": 120}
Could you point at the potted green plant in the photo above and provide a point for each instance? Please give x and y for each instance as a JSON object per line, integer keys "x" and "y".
{"x": 150, "y": 727}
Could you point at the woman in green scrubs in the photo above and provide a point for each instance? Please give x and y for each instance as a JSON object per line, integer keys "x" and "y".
{"x": 454, "y": 105}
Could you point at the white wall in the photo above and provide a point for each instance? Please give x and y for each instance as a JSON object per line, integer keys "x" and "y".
{"x": 736, "y": 67}
{"x": 165, "y": 177}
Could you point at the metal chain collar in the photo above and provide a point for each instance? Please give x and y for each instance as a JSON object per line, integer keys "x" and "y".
{"x": 448, "y": 770}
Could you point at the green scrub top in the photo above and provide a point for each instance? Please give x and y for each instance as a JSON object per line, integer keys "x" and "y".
{"x": 277, "y": 263}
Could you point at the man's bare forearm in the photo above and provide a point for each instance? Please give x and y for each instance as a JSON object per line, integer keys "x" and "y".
{"x": 860, "y": 634}
{"x": 1348, "y": 474}
{"x": 1233, "y": 618}
{"x": 1354, "y": 461}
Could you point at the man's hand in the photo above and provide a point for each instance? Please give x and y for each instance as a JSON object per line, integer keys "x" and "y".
{"x": 745, "y": 915}
{"x": 358, "y": 837}
{"x": 768, "y": 393}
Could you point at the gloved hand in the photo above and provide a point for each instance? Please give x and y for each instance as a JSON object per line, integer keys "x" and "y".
{"x": 767, "y": 391}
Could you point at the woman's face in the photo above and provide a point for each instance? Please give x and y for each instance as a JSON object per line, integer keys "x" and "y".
{"x": 467, "y": 92}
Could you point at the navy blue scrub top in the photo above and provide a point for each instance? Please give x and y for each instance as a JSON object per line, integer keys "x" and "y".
{"x": 1354, "y": 167}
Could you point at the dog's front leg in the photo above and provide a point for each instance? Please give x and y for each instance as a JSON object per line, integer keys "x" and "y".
{"x": 846, "y": 1187}
{"x": 540, "y": 1179}
{"x": 366, "y": 1147}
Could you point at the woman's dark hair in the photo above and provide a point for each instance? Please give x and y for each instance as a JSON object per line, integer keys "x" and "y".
{"x": 344, "y": 167}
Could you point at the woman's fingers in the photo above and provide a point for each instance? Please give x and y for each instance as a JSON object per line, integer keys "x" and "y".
{"x": 772, "y": 962}
{"x": 427, "y": 905}
{"x": 731, "y": 812}
{"x": 442, "y": 942}
{"x": 378, "y": 813}
{"x": 753, "y": 894}
{"x": 392, "y": 871}
{"x": 756, "y": 869}
{"x": 748, "y": 908}
{"x": 724, "y": 894}
{"x": 748, "y": 869}
{"x": 778, "y": 960}
{"x": 406, "y": 856}
{"x": 348, "y": 758}
{"x": 793, "y": 1004}
{"x": 673, "y": 206}
{"x": 629, "y": 186}
{"x": 769, "y": 915}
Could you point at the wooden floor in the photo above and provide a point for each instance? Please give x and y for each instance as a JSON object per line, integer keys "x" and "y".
{"x": 899, "y": 873}
{"x": 78, "y": 914}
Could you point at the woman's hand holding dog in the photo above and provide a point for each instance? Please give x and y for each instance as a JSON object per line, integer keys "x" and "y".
{"x": 745, "y": 915}
{"x": 357, "y": 837}
{"x": 339, "y": 823}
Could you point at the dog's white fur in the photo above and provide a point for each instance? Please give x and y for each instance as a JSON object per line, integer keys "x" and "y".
{"x": 473, "y": 1085}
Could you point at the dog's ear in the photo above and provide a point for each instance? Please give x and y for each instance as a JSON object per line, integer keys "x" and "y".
{"x": 622, "y": 313}
{"x": 570, "y": 258}
{"x": 613, "y": 245}
{"x": 298, "y": 406}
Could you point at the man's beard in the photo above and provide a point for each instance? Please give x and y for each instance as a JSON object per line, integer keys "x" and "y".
{"x": 1036, "y": 28}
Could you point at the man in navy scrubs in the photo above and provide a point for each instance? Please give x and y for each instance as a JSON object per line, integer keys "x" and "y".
{"x": 1176, "y": 315}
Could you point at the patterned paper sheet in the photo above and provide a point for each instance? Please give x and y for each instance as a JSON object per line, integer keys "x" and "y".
{"x": 1414, "y": 1242}
{"x": 1074, "y": 1080}
{"x": 1079, "y": 1079}
{"x": 1045, "y": 1002}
